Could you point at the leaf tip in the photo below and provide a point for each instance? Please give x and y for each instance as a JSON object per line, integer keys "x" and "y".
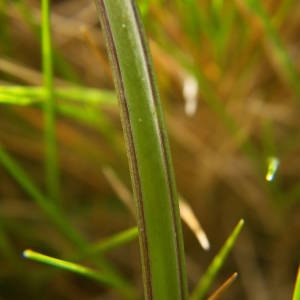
{"x": 27, "y": 253}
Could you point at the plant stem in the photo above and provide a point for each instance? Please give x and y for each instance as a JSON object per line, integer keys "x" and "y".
{"x": 51, "y": 163}
{"x": 151, "y": 169}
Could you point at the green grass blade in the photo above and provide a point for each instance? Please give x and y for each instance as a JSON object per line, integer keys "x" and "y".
{"x": 16, "y": 100}
{"x": 61, "y": 65}
{"x": 86, "y": 110}
{"x": 48, "y": 207}
{"x": 296, "y": 294}
{"x": 148, "y": 152}
{"x": 114, "y": 241}
{"x": 54, "y": 214}
{"x": 73, "y": 94}
{"x": 88, "y": 95}
{"x": 101, "y": 277}
{"x": 216, "y": 265}
{"x": 51, "y": 162}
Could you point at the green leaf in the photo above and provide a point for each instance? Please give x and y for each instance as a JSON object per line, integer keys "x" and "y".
{"x": 51, "y": 163}
{"x": 102, "y": 277}
{"x": 216, "y": 265}
{"x": 148, "y": 152}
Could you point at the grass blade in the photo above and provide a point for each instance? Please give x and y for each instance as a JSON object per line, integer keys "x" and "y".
{"x": 51, "y": 163}
{"x": 150, "y": 164}
{"x": 51, "y": 211}
{"x": 216, "y": 265}
{"x": 102, "y": 277}
{"x": 16, "y": 100}
{"x": 296, "y": 295}
{"x": 73, "y": 94}
{"x": 114, "y": 241}
{"x": 220, "y": 291}
{"x": 189, "y": 218}
{"x": 60, "y": 64}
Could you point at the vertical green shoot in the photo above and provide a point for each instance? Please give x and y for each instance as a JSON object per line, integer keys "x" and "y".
{"x": 152, "y": 175}
{"x": 216, "y": 265}
{"x": 51, "y": 163}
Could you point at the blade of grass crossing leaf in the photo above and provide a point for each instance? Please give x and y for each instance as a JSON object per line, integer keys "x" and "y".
{"x": 77, "y": 94}
{"x": 158, "y": 213}
{"x": 208, "y": 278}
{"x": 88, "y": 114}
{"x": 108, "y": 244}
{"x": 101, "y": 277}
{"x": 51, "y": 162}
{"x": 114, "y": 241}
{"x": 88, "y": 95}
{"x": 296, "y": 294}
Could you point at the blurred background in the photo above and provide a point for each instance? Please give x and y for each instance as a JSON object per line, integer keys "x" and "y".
{"x": 228, "y": 73}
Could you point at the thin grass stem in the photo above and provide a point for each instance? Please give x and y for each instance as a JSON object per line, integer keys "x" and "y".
{"x": 73, "y": 94}
{"x": 223, "y": 288}
{"x": 51, "y": 160}
{"x": 114, "y": 241}
{"x": 208, "y": 278}
{"x": 101, "y": 277}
